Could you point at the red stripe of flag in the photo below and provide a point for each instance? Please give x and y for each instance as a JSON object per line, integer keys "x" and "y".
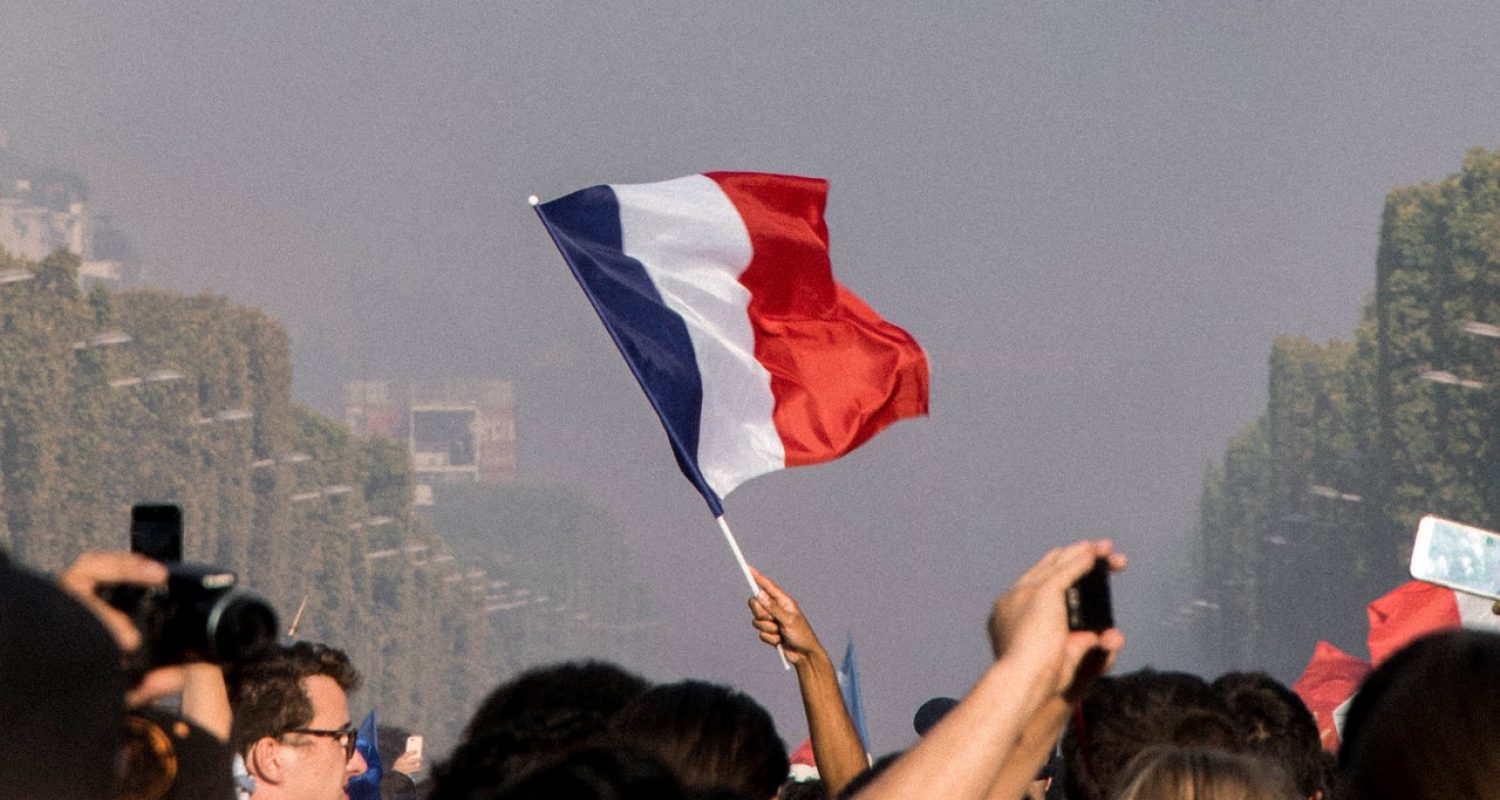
{"x": 839, "y": 372}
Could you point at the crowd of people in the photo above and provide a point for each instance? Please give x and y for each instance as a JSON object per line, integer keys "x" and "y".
{"x": 1044, "y": 720}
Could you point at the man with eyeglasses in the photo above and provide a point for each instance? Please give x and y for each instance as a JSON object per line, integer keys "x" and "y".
{"x": 292, "y": 725}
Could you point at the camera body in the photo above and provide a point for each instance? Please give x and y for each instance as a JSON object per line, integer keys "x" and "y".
{"x": 197, "y": 615}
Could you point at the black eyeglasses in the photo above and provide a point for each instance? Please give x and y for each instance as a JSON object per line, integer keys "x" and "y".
{"x": 346, "y": 736}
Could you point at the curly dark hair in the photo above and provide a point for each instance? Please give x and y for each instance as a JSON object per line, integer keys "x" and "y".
{"x": 267, "y": 695}
{"x": 1274, "y": 723}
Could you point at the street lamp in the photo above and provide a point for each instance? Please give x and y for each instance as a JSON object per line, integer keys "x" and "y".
{"x": 154, "y": 376}
{"x": 162, "y": 376}
{"x": 1446, "y": 377}
{"x": 104, "y": 340}
{"x": 1482, "y": 329}
{"x": 227, "y": 415}
{"x": 1333, "y": 494}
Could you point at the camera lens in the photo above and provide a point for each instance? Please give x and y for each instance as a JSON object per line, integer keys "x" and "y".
{"x": 241, "y": 627}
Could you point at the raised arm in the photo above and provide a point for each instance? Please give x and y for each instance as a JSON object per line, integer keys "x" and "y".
{"x": 835, "y": 741}
{"x": 989, "y": 741}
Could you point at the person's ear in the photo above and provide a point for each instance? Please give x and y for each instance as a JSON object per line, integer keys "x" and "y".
{"x": 265, "y": 760}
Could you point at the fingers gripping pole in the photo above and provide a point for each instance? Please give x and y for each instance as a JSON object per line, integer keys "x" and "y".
{"x": 739, "y": 558}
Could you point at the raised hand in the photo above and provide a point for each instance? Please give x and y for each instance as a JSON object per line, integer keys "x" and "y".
{"x": 776, "y": 616}
{"x": 1029, "y": 624}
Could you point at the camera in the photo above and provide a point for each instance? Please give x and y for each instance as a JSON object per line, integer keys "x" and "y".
{"x": 1088, "y": 601}
{"x": 198, "y": 615}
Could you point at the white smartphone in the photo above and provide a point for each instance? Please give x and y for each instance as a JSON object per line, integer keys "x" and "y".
{"x": 1457, "y": 556}
{"x": 414, "y": 745}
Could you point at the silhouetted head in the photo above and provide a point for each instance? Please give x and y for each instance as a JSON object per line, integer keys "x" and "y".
{"x": 532, "y": 721}
{"x": 595, "y": 687}
{"x": 1424, "y": 724}
{"x": 614, "y": 773}
{"x": 711, "y": 736}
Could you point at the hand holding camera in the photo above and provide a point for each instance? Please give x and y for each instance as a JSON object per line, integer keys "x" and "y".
{"x": 166, "y": 614}
{"x": 1058, "y": 613}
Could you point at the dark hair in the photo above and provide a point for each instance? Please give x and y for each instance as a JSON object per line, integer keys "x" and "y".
{"x": 711, "y": 736}
{"x": 614, "y": 773}
{"x": 267, "y": 695}
{"x": 1275, "y": 724}
{"x": 499, "y": 756}
{"x": 598, "y": 687}
{"x": 531, "y": 721}
{"x": 1121, "y": 716}
{"x": 1421, "y": 724}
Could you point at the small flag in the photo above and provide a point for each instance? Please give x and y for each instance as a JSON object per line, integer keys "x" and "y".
{"x": 1417, "y": 608}
{"x": 366, "y": 786}
{"x": 804, "y": 765}
{"x": 848, "y": 675}
{"x": 1327, "y": 686}
{"x": 718, "y": 290}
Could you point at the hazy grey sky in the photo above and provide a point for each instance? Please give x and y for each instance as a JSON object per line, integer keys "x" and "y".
{"x": 1095, "y": 218}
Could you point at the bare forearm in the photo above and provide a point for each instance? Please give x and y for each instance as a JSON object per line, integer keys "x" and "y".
{"x": 962, "y": 756}
{"x": 836, "y": 745}
{"x": 1032, "y": 751}
{"x": 205, "y": 699}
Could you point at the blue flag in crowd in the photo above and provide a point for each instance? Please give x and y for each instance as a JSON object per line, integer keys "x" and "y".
{"x": 367, "y": 785}
{"x": 849, "y": 684}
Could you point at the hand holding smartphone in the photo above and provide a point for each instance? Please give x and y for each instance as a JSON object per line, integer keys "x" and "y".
{"x": 410, "y": 760}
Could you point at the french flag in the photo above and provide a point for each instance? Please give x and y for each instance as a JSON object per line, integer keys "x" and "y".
{"x": 718, "y": 290}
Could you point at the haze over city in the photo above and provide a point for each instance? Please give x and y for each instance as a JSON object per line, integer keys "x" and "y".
{"x": 1095, "y": 221}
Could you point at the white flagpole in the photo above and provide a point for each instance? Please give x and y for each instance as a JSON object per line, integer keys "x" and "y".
{"x": 739, "y": 557}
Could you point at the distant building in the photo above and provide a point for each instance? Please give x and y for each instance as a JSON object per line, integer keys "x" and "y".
{"x": 457, "y": 430}
{"x": 48, "y": 210}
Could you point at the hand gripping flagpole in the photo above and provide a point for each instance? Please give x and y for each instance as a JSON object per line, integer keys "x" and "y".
{"x": 749, "y": 578}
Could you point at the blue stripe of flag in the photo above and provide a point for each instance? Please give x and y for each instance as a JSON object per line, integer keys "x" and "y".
{"x": 654, "y": 340}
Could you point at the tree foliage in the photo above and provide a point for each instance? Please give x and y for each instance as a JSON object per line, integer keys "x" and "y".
{"x": 196, "y": 410}
{"x": 1362, "y": 438}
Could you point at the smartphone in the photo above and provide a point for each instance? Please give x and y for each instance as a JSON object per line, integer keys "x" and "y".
{"x": 1457, "y": 556}
{"x": 156, "y": 531}
{"x": 1089, "y": 606}
{"x": 414, "y": 745}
